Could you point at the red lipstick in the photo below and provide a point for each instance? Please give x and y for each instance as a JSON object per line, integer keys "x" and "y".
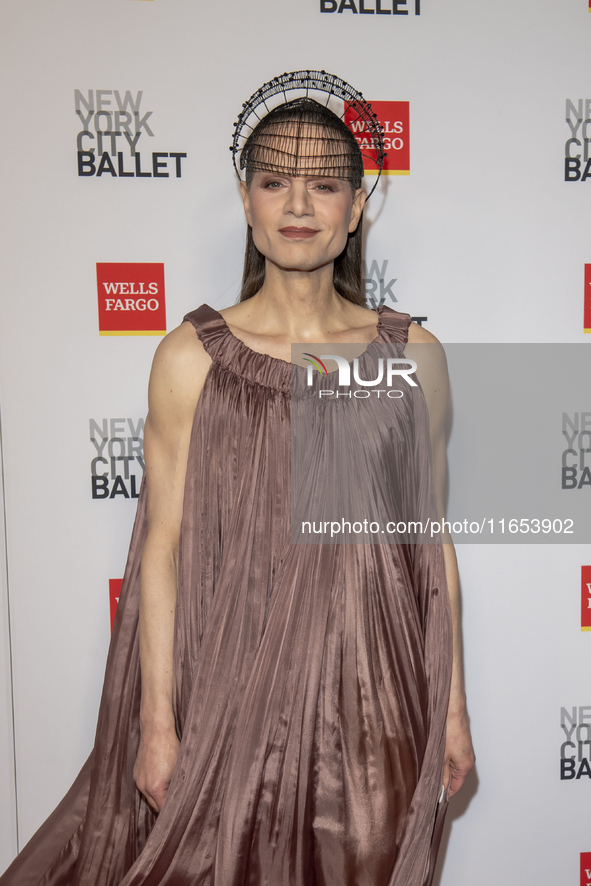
{"x": 294, "y": 233}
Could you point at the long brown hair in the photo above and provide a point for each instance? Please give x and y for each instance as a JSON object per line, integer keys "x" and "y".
{"x": 347, "y": 266}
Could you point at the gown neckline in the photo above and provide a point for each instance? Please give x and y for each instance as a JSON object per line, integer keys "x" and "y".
{"x": 247, "y": 349}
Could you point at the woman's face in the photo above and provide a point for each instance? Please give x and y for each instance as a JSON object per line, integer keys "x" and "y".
{"x": 301, "y": 222}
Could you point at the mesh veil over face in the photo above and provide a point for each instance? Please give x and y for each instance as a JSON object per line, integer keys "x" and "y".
{"x": 302, "y": 137}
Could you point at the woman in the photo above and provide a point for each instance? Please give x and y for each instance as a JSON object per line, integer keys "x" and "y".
{"x": 295, "y": 722}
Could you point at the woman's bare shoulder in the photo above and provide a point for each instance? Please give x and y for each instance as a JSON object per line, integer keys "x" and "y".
{"x": 431, "y": 367}
{"x": 181, "y": 350}
{"x": 178, "y": 370}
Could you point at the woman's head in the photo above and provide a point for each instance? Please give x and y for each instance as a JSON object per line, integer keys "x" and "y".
{"x": 303, "y": 141}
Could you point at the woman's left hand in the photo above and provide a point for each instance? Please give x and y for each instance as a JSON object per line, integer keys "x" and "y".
{"x": 459, "y": 753}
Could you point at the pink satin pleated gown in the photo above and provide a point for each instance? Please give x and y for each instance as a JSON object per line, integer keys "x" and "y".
{"x": 310, "y": 681}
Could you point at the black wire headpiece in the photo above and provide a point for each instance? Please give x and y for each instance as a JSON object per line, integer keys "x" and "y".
{"x": 309, "y": 82}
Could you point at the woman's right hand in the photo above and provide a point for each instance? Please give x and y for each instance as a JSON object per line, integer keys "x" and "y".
{"x": 156, "y": 759}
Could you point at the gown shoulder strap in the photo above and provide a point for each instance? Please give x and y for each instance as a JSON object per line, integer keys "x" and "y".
{"x": 211, "y": 328}
{"x": 225, "y": 349}
{"x": 394, "y": 324}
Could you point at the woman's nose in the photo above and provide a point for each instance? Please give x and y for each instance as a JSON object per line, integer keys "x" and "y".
{"x": 299, "y": 201}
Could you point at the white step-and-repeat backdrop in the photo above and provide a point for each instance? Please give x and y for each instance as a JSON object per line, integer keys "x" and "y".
{"x": 121, "y": 213}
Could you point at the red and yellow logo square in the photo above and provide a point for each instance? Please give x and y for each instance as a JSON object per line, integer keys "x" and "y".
{"x": 587, "y": 300}
{"x": 586, "y": 598}
{"x": 131, "y": 299}
{"x": 114, "y": 594}
{"x": 395, "y": 120}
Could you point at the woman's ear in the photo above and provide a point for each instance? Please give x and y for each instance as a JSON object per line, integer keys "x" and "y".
{"x": 357, "y": 208}
{"x": 245, "y": 201}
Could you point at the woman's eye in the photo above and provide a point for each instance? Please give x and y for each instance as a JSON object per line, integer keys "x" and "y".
{"x": 273, "y": 185}
{"x": 323, "y": 187}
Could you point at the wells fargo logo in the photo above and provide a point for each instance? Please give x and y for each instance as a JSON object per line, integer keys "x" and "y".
{"x": 394, "y": 118}
{"x": 131, "y": 298}
{"x": 114, "y": 593}
{"x": 586, "y": 856}
{"x": 586, "y": 598}
{"x": 587, "y": 298}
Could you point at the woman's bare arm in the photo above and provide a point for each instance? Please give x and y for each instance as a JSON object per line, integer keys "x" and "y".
{"x": 432, "y": 373}
{"x": 178, "y": 372}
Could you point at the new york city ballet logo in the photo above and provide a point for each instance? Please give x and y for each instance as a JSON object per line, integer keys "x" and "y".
{"x": 372, "y": 7}
{"x": 395, "y": 369}
{"x": 112, "y": 129}
{"x": 394, "y": 118}
{"x": 114, "y": 593}
{"x": 377, "y": 285}
{"x": 575, "y": 746}
{"x": 117, "y": 461}
{"x": 586, "y": 598}
{"x": 577, "y": 154}
{"x": 586, "y": 856}
{"x": 131, "y": 298}
{"x": 576, "y": 458}
{"x": 587, "y": 300}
